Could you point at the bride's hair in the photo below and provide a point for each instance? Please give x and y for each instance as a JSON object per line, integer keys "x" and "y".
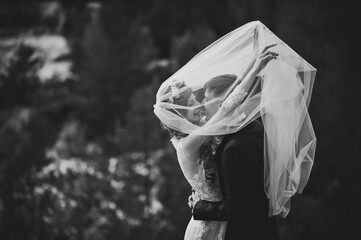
{"x": 172, "y": 132}
{"x": 182, "y": 100}
{"x": 179, "y": 99}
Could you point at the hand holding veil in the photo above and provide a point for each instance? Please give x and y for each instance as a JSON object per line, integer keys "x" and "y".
{"x": 280, "y": 93}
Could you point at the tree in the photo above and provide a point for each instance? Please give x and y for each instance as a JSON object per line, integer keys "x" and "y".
{"x": 30, "y": 121}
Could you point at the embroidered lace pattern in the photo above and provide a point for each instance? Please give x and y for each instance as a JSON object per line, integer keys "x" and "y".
{"x": 206, "y": 182}
{"x": 206, "y": 226}
{"x": 234, "y": 99}
{"x": 204, "y": 179}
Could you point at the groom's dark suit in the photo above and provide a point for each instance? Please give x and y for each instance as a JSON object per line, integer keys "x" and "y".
{"x": 245, "y": 205}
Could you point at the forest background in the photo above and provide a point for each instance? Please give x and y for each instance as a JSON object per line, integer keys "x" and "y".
{"x": 83, "y": 157}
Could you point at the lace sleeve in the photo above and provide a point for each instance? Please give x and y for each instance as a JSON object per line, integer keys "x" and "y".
{"x": 234, "y": 99}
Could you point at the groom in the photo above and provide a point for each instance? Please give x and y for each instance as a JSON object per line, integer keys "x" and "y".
{"x": 240, "y": 166}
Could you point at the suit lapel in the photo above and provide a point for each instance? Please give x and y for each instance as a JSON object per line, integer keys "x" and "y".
{"x": 220, "y": 149}
{"x": 218, "y": 157}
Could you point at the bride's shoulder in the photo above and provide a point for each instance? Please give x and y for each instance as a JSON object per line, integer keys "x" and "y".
{"x": 177, "y": 142}
{"x": 174, "y": 141}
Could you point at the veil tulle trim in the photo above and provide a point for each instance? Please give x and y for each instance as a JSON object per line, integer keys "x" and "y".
{"x": 281, "y": 96}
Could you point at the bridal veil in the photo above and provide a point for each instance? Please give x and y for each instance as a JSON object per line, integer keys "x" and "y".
{"x": 280, "y": 95}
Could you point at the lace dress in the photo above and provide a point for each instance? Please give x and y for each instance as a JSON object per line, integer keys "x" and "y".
{"x": 203, "y": 178}
{"x": 202, "y": 175}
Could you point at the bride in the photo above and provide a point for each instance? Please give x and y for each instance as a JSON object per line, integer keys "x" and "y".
{"x": 196, "y": 137}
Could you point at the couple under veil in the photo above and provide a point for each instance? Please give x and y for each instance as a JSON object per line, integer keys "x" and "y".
{"x": 237, "y": 114}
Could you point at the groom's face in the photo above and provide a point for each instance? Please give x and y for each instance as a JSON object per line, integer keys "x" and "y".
{"x": 211, "y": 103}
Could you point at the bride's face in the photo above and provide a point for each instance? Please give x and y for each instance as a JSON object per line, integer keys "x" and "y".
{"x": 211, "y": 104}
{"x": 194, "y": 114}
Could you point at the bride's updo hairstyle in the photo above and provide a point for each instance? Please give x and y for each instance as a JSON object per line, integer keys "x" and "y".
{"x": 179, "y": 99}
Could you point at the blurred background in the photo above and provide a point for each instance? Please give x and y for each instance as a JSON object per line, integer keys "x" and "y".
{"x": 83, "y": 157}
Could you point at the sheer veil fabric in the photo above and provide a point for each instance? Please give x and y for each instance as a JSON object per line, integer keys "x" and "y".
{"x": 280, "y": 95}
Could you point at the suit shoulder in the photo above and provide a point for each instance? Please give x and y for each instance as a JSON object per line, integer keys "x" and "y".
{"x": 252, "y": 134}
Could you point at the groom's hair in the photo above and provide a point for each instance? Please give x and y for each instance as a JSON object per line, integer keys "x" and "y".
{"x": 220, "y": 84}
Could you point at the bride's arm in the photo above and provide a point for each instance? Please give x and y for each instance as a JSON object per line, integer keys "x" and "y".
{"x": 191, "y": 146}
{"x": 229, "y": 104}
{"x": 192, "y": 143}
{"x": 255, "y": 65}
{"x": 250, "y": 64}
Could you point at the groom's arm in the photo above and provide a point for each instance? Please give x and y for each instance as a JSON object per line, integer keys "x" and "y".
{"x": 239, "y": 173}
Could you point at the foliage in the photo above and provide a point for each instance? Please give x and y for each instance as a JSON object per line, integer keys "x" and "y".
{"x": 85, "y": 158}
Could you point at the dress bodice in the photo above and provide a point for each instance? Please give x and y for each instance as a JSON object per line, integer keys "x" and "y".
{"x": 206, "y": 189}
{"x": 202, "y": 173}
